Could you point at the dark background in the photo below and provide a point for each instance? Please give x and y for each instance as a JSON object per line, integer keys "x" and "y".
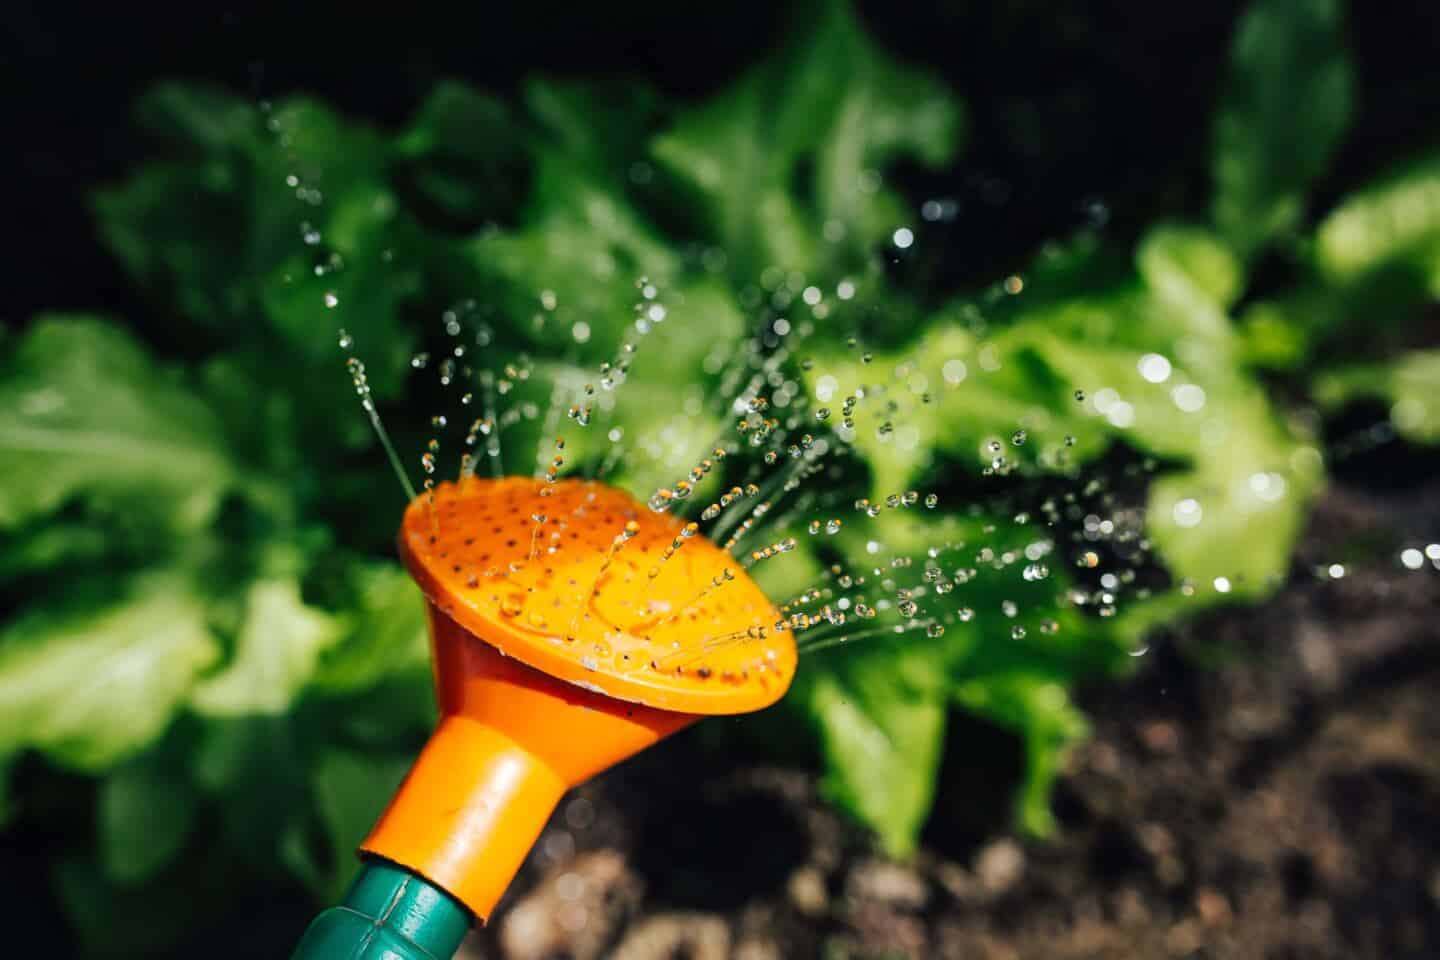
{"x": 1069, "y": 102}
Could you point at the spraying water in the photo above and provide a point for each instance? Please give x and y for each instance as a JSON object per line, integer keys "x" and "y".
{"x": 770, "y": 475}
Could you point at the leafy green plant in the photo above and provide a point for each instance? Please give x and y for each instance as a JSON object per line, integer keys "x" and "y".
{"x": 212, "y": 629}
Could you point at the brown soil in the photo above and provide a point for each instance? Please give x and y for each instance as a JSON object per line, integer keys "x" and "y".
{"x": 1266, "y": 786}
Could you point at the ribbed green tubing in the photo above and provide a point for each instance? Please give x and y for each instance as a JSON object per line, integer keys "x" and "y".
{"x": 389, "y": 914}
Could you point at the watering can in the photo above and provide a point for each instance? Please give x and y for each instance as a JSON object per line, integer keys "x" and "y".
{"x": 571, "y": 628}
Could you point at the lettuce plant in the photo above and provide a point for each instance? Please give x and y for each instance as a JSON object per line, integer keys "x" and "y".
{"x": 210, "y": 628}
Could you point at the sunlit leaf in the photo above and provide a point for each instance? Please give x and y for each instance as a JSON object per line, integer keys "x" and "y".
{"x": 92, "y": 684}
{"x": 1394, "y": 221}
{"x": 881, "y": 714}
{"x": 1410, "y": 384}
{"x": 276, "y": 654}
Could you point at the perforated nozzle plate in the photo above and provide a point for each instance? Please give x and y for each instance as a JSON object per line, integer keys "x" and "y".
{"x": 691, "y": 633}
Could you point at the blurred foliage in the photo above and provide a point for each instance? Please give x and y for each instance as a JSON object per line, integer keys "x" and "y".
{"x": 209, "y": 624}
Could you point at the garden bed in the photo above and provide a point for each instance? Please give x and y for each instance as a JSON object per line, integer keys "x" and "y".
{"x": 1262, "y": 787}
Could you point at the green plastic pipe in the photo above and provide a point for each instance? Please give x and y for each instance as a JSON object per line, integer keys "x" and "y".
{"x": 389, "y": 914}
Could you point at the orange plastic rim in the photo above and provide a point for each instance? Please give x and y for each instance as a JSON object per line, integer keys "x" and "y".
{"x": 570, "y": 577}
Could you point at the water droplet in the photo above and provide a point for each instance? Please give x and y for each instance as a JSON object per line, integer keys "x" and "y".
{"x": 332, "y": 299}
{"x": 1154, "y": 368}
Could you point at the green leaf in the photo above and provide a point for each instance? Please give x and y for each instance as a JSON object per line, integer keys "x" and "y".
{"x": 1287, "y": 103}
{"x": 199, "y": 120}
{"x": 254, "y": 771}
{"x": 463, "y": 153}
{"x": 833, "y": 100}
{"x": 1410, "y": 384}
{"x": 385, "y": 632}
{"x": 1282, "y": 333}
{"x": 881, "y": 712}
{"x": 1392, "y": 223}
{"x": 84, "y": 412}
{"x": 351, "y": 790}
{"x": 1186, "y": 263}
{"x": 276, "y": 655}
{"x": 665, "y": 411}
{"x": 276, "y": 216}
{"x": 1036, "y": 707}
{"x": 188, "y": 256}
{"x": 600, "y": 127}
{"x": 146, "y": 812}
{"x": 1250, "y": 492}
{"x": 1249, "y": 475}
{"x": 93, "y": 684}
{"x": 373, "y": 240}
{"x": 57, "y": 542}
{"x": 586, "y": 247}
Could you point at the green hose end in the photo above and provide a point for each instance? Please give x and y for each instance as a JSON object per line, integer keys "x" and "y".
{"x": 389, "y": 914}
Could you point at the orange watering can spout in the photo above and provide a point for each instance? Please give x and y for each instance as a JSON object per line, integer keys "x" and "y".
{"x": 572, "y": 627}
{"x": 511, "y": 741}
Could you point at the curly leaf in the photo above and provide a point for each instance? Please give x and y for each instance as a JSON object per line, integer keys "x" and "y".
{"x": 91, "y": 685}
{"x": 276, "y": 655}
{"x": 834, "y": 101}
{"x": 85, "y": 412}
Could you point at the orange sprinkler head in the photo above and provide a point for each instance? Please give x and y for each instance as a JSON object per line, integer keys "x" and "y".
{"x": 572, "y": 628}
